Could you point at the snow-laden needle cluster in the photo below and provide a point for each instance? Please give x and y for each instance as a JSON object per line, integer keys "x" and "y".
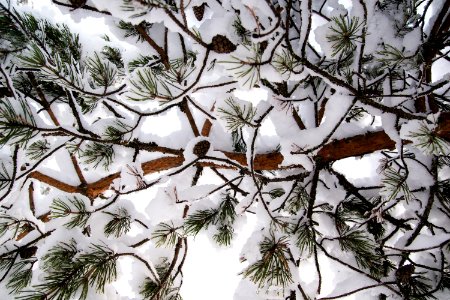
{"x": 129, "y": 127}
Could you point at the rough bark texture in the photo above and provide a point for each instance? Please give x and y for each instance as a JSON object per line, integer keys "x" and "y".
{"x": 353, "y": 146}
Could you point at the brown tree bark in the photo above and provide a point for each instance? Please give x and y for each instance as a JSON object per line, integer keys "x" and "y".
{"x": 353, "y": 146}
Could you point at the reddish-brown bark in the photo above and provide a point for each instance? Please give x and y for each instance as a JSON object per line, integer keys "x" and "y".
{"x": 353, "y": 146}
{"x": 356, "y": 146}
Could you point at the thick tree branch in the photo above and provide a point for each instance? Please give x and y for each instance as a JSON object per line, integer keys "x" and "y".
{"x": 162, "y": 53}
{"x": 339, "y": 149}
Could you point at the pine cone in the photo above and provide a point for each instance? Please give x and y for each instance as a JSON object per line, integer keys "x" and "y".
{"x": 221, "y": 44}
{"x": 199, "y": 11}
{"x": 201, "y": 148}
{"x": 27, "y": 252}
{"x": 262, "y": 47}
{"x": 78, "y": 3}
{"x": 404, "y": 273}
{"x": 87, "y": 231}
{"x": 4, "y": 91}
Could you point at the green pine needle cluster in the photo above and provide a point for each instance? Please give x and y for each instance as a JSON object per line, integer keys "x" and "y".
{"x": 391, "y": 57}
{"x": 98, "y": 153}
{"x": 38, "y": 149}
{"x": 394, "y": 182}
{"x": 5, "y": 176}
{"x": 243, "y": 33}
{"x": 180, "y": 69}
{"x": 54, "y": 49}
{"x": 356, "y": 114}
{"x": 199, "y": 220}
{"x": 297, "y": 200}
{"x": 363, "y": 249}
{"x": 239, "y": 144}
{"x": 276, "y": 193}
{"x": 74, "y": 208}
{"x": 285, "y": 63}
{"x": 70, "y": 273}
{"x": 68, "y": 74}
{"x": 306, "y": 238}
{"x": 10, "y": 32}
{"x": 273, "y": 268}
{"x": 57, "y": 38}
{"x": 148, "y": 84}
{"x": 351, "y": 210}
{"x": 117, "y": 131}
{"x": 9, "y": 223}
{"x": 17, "y": 124}
{"x": 21, "y": 275}
{"x": 236, "y": 115}
{"x": 131, "y": 31}
{"x": 429, "y": 142}
{"x": 129, "y": 5}
{"x": 166, "y": 235}
{"x": 161, "y": 291}
{"x": 223, "y": 217}
{"x": 103, "y": 73}
{"x": 143, "y": 61}
{"x": 120, "y": 223}
{"x": 114, "y": 56}
{"x": 344, "y": 34}
{"x": 443, "y": 191}
{"x": 419, "y": 288}
{"x": 224, "y": 235}
{"x": 35, "y": 58}
{"x": 248, "y": 70}
{"x": 151, "y": 80}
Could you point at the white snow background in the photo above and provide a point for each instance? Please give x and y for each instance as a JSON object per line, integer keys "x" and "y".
{"x": 209, "y": 272}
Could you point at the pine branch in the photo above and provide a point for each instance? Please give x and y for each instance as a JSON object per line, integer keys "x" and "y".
{"x": 152, "y": 290}
{"x": 429, "y": 142}
{"x": 383, "y": 79}
{"x": 76, "y": 208}
{"x": 166, "y": 235}
{"x": 96, "y": 153}
{"x": 120, "y": 223}
{"x": 222, "y": 217}
{"x": 69, "y": 273}
{"x": 237, "y": 116}
{"x": 394, "y": 182}
{"x": 17, "y": 123}
{"x": 344, "y": 34}
{"x": 103, "y": 74}
{"x": 363, "y": 249}
{"x": 21, "y": 275}
{"x": 273, "y": 267}
{"x": 353, "y": 146}
{"x": 306, "y": 239}
{"x": 140, "y": 28}
{"x": 38, "y": 149}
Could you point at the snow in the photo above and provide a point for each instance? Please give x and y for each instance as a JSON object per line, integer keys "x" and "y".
{"x": 335, "y": 109}
{"x": 410, "y": 40}
{"x": 210, "y": 269}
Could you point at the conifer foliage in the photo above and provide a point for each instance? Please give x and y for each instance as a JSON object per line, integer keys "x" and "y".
{"x": 193, "y": 117}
